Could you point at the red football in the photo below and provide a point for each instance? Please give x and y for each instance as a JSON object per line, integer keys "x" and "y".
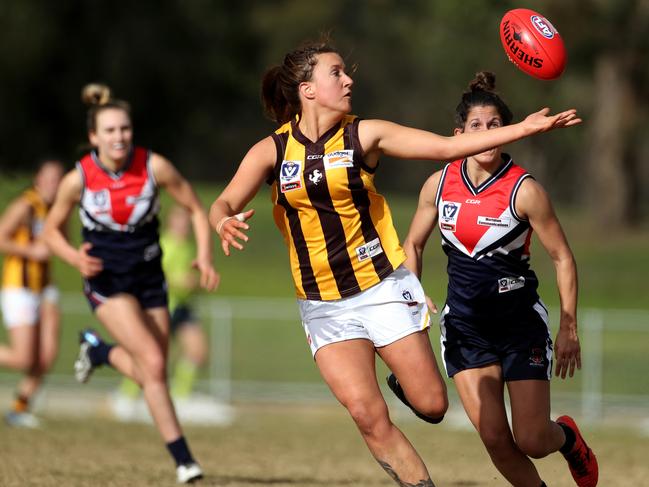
{"x": 532, "y": 43}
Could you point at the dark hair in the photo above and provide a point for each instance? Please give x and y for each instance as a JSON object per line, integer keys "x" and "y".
{"x": 481, "y": 93}
{"x": 279, "y": 85}
{"x": 98, "y": 97}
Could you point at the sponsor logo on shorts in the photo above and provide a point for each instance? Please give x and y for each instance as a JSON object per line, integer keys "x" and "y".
{"x": 448, "y": 215}
{"x": 506, "y": 284}
{"x": 151, "y": 252}
{"x": 490, "y": 221}
{"x": 339, "y": 158}
{"x": 537, "y": 357}
{"x": 369, "y": 250}
{"x": 290, "y": 175}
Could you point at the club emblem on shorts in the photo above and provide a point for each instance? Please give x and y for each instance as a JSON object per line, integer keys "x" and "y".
{"x": 315, "y": 177}
{"x": 536, "y": 357}
{"x": 289, "y": 175}
{"x": 448, "y": 215}
{"x": 407, "y": 295}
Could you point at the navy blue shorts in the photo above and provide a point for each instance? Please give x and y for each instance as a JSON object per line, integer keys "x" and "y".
{"x": 182, "y": 315}
{"x": 146, "y": 282}
{"x": 520, "y": 343}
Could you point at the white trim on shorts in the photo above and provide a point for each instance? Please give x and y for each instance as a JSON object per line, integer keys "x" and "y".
{"x": 386, "y": 312}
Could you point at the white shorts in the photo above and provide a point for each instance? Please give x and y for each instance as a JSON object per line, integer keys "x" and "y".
{"x": 21, "y": 306}
{"x": 390, "y": 310}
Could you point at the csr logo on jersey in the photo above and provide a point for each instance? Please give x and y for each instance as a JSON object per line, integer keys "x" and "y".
{"x": 369, "y": 250}
{"x": 339, "y": 158}
{"x": 290, "y": 173}
{"x": 506, "y": 284}
{"x": 448, "y": 215}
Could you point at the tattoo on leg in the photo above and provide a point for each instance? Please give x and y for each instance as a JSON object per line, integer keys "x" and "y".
{"x": 422, "y": 483}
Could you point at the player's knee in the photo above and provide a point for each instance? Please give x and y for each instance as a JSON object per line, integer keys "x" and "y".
{"x": 371, "y": 419}
{"x": 433, "y": 406}
{"x": 532, "y": 445}
{"x": 25, "y": 361}
{"x": 496, "y": 440}
{"x": 154, "y": 366}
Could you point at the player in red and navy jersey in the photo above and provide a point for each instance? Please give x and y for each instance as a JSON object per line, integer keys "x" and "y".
{"x": 494, "y": 327}
{"x": 116, "y": 188}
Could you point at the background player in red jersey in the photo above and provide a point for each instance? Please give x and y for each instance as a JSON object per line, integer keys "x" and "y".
{"x": 29, "y": 298}
{"x": 116, "y": 188}
{"x": 338, "y": 229}
{"x": 494, "y": 326}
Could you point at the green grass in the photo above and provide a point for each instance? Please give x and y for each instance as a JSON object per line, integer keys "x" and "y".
{"x": 286, "y": 446}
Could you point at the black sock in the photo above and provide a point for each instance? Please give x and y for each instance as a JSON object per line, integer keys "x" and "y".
{"x": 543, "y": 484}
{"x": 570, "y": 439}
{"x": 180, "y": 451}
{"x": 99, "y": 355}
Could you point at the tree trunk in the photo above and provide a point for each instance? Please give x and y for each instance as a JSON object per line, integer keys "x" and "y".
{"x": 610, "y": 153}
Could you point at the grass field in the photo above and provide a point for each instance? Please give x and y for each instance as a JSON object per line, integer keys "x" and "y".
{"x": 281, "y": 447}
{"x": 317, "y": 445}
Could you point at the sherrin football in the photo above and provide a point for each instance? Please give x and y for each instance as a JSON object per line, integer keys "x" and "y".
{"x": 532, "y": 43}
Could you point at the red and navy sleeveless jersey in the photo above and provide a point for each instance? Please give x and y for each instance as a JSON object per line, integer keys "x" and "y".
{"x": 119, "y": 210}
{"x": 486, "y": 241}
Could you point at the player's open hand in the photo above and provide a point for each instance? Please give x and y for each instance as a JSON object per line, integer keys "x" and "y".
{"x": 210, "y": 279}
{"x": 567, "y": 352}
{"x": 541, "y": 121}
{"x": 230, "y": 229}
{"x": 88, "y": 265}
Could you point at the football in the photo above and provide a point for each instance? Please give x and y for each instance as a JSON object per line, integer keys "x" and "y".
{"x": 532, "y": 43}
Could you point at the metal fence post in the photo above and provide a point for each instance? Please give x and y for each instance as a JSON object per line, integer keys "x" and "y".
{"x": 592, "y": 358}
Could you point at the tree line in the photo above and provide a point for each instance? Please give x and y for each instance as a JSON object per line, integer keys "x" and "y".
{"x": 191, "y": 70}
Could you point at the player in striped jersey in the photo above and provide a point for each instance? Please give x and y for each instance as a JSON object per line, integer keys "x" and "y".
{"x": 116, "y": 187}
{"x": 494, "y": 326}
{"x": 29, "y": 298}
{"x": 356, "y": 298}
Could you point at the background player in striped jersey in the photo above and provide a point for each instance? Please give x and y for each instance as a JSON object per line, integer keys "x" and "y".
{"x": 29, "y": 298}
{"x": 355, "y": 297}
{"x": 116, "y": 187}
{"x": 494, "y": 326}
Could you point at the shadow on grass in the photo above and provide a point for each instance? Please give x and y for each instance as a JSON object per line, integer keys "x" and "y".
{"x": 246, "y": 480}
{"x": 305, "y": 481}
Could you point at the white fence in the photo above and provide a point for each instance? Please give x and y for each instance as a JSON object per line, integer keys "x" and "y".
{"x": 593, "y": 397}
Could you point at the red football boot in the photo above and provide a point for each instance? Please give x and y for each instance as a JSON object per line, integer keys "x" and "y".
{"x": 581, "y": 459}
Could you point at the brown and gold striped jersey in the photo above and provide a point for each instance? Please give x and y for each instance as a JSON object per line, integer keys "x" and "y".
{"x": 19, "y": 272}
{"x": 337, "y": 227}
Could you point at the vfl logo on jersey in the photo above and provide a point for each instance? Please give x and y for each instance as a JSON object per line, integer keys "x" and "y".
{"x": 448, "y": 215}
{"x": 369, "y": 250}
{"x": 506, "y": 284}
{"x": 290, "y": 175}
{"x": 339, "y": 158}
{"x": 315, "y": 177}
{"x": 99, "y": 202}
{"x": 489, "y": 221}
